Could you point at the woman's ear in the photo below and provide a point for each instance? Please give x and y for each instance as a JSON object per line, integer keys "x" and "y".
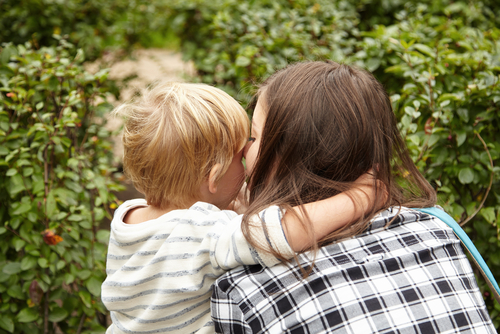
{"x": 212, "y": 178}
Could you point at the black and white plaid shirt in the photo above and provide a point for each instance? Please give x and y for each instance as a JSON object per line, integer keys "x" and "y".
{"x": 412, "y": 277}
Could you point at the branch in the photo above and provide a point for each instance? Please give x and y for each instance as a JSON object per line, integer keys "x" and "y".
{"x": 425, "y": 146}
{"x": 26, "y": 186}
{"x": 46, "y": 181}
{"x": 89, "y": 113}
{"x": 436, "y": 119}
{"x": 462, "y": 223}
{"x": 13, "y": 231}
{"x": 80, "y": 325}
{"x": 46, "y": 314}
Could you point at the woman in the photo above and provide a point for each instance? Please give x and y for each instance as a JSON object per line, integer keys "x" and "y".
{"x": 316, "y": 128}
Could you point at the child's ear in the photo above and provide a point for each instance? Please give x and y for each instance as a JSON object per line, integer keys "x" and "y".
{"x": 212, "y": 178}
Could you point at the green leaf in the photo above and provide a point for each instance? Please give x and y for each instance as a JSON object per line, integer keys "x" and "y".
{"x": 425, "y": 50}
{"x": 60, "y": 265}
{"x": 94, "y": 286}
{"x": 51, "y": 205}
{"x": 68, "y": 278}
{"x": 242, "y": 61}
{"x": 42, "y": 262}
{"x": 7, "y": 323}
{"x": 27, "y": 315}
{"x": 7, "y": 53}
{"x": 12, "y": 268}
{"x": 18, "y": 244}
{"x": 481, "y": 227}
{"x": 75, "y": 218}
{"x": 44, "y": 286}
{"x": 372, "y": 64}
{"x": 488, "y": 214}
{"x": 84, "y": 274}
{"x": 86, "y": 298}
{"x": 461, "y": 137}
{"x": 85, "y": 224}
{"x": 395, "y": 69}
{"x": 24, "y": 207}
{"x": 57, "y": 314}
{"x": 46, "y": 278}
{"x": 28, "y": 262}
{"x": 444, "y": 103}
{"x": 415, "y": 139}
{"x": 74, "y": 234}
{"x": 466, "y": 175}
{"x": 22, "y": 162}
{"x": 28, "y": 171}
{"x": 15, "y": 291}
{"x": 15, "y": 222}
{"x": 463, "y": 114}
{"x": 103, "y": 236}
{"x": 38, "y": 186}
{"x": 410, "y": 110}
{"x": 495, "y": 258}
{"x": 434, "y": 138}
{"x": 11, "y": 172}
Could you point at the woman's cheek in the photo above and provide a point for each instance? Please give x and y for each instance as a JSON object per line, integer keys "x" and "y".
{"x": 250, "y": 155}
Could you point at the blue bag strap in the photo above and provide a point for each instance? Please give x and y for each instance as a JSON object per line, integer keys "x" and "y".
{"x": 460, "y": 233}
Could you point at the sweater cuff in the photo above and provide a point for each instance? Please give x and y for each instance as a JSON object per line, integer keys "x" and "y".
{"x": 267, "y": 231}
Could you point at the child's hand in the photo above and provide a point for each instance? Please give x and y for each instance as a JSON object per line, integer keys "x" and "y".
{"x": 373, "y": 192}
{"x": 240, "y": 204}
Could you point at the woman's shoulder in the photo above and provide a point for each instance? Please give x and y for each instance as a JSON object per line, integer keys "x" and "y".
{"x": 391, "y": 234}
{"x": 398, "y": 216}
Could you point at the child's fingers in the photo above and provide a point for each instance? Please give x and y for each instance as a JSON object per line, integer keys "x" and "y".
{"x": 366, "y": 178}
{"x": 374, "y": 190}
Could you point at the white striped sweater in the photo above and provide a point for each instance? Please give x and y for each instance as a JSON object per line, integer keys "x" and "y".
{"x": 160, "y": 272}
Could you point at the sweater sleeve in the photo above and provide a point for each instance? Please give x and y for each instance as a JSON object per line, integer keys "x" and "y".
{"x": 231, "y": 249}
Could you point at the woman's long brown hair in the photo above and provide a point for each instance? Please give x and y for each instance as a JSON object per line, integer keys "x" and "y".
{"x": 326, "y": 125}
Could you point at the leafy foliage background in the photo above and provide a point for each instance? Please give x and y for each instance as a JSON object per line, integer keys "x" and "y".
{"x": 56, "y": 186}
{"x": 439, "y": 61}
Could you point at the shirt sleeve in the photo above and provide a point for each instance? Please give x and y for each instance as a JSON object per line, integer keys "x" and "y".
{"x": 230, "y": 249}
{"x": 226, "y": 314}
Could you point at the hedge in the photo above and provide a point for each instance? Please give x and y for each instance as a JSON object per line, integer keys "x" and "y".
{"x": 94, "y": 26}
{"x": 57, "y": 185}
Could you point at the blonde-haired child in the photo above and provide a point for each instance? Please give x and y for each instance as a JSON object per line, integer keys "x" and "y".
{"x": 183, "y": 148}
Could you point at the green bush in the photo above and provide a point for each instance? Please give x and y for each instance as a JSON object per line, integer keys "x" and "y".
{"x": 234, "y": 44}
{"x": 482, "y": 14}
{"x": 93, "y": 25}
{"x": 439, "y": 61}
{"x": 56, "y": 184}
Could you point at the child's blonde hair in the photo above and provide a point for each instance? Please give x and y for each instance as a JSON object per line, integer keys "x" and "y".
{"x": 173, "y": 136}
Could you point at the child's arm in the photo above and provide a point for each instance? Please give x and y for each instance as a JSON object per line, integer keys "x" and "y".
{"x": 326, "y": 215}
{"x": 280, "y": 234}
{"x": 329, "y": 214}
